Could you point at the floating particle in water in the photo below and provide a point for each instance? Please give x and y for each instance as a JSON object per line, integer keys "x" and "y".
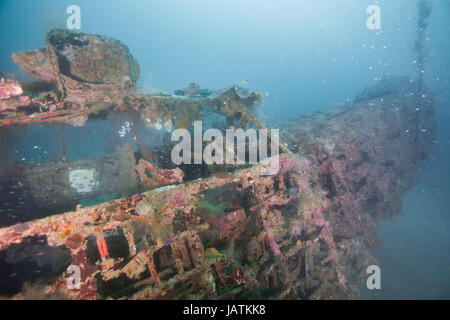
{"x": 125, "y": 129}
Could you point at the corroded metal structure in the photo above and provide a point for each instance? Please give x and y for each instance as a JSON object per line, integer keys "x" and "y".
{"x": 301, "y": 233}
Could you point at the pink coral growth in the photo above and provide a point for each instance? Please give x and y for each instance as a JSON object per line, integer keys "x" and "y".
{"x": 341, "y": 279}
{"x": 327, "y": 235}
{"x": 230, "y": 221}
{"x": 319, "y": 219}
{"x": 271, "y": 239}
{"x": 285, "y": 163}
{"x": 178, "y": 199}
{"x": 273, "y": 244}
{"x": 9, "y": 88}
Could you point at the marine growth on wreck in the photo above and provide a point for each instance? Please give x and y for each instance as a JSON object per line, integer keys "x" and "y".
{"x": 138, "y": 226}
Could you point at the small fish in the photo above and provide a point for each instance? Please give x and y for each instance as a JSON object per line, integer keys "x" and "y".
{"x": 244, "y": 82}
{"x": 213, "y": 253}
{"x": 222, "y": 175}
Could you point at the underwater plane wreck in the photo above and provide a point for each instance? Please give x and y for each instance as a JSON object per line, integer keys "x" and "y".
{"x": 196, "y": 231}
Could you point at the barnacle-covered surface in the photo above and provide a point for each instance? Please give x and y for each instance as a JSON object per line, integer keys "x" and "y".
{"x": 302, "y": 233}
